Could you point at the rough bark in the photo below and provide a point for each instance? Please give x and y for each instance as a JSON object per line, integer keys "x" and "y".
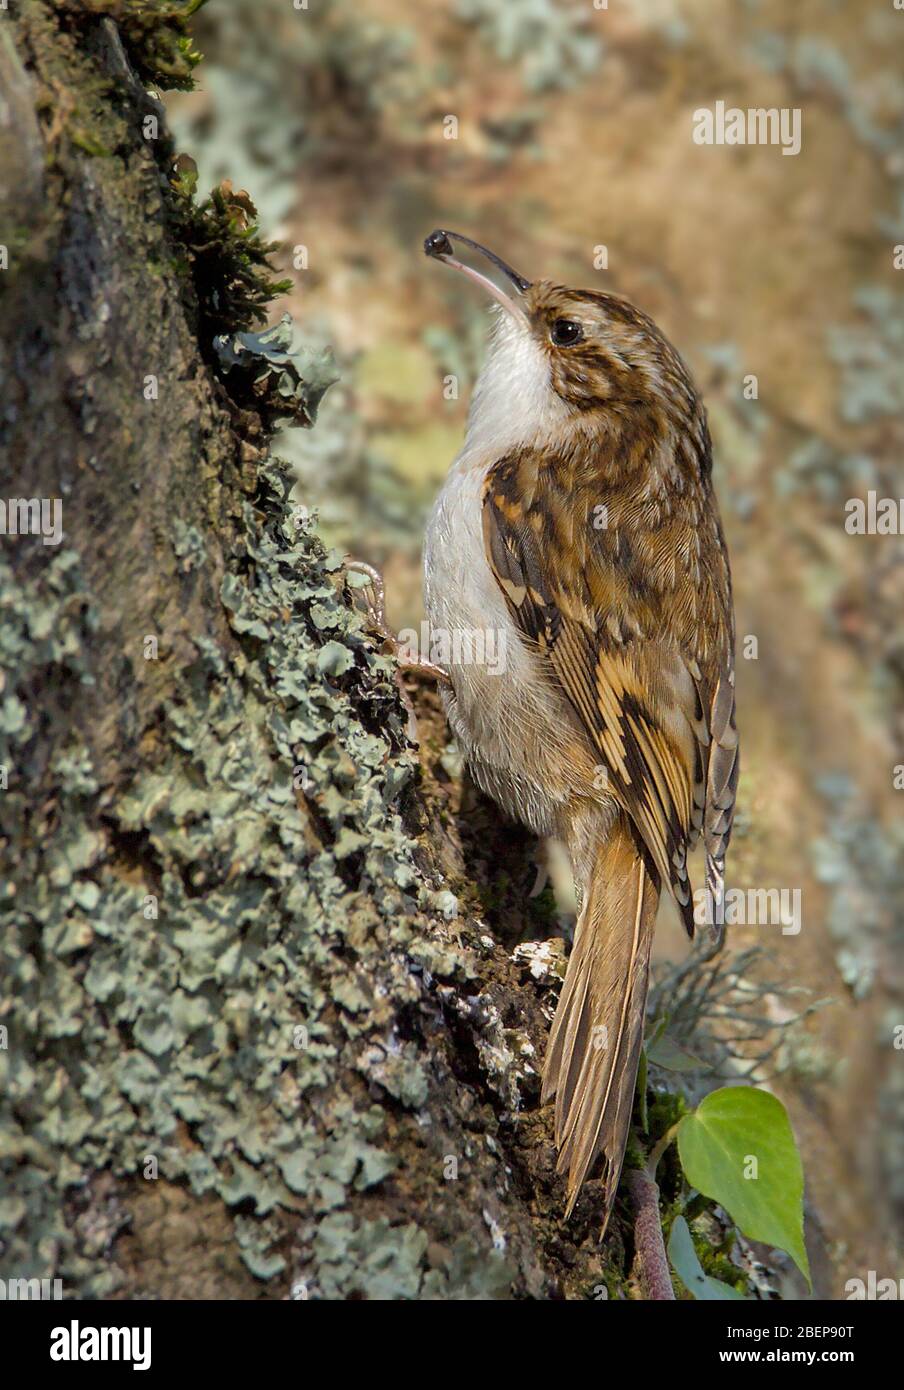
{"x": 267, "y": 1034}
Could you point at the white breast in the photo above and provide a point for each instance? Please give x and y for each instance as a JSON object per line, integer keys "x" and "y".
{"x": 514, "y": 729}
{"x": 459, "y": 588}
{"x": 513, "y": 726}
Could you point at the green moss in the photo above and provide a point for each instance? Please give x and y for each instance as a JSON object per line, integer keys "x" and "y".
{"x": 155, "y": 33}
{"x": 225, "y": 265}
{"x": 83, "y": 140}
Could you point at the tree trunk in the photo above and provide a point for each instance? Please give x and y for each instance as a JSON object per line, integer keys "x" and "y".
{"x": 265, "y": 1034}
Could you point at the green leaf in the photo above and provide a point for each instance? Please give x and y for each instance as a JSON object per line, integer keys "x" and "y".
{"x": 684, "y": 1261}
{"x": 738, "y": 1149}
{"x": 642, "y": 1091}
{"x": 662, "y": 1052}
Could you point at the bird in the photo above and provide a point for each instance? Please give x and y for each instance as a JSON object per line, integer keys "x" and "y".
{"x": 579, "y": 524}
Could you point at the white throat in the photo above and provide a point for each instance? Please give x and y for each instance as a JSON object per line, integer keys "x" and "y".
{"x": 513, "y": 402}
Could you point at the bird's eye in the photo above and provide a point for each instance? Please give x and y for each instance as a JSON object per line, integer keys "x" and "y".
{"x": 565, "y": 332}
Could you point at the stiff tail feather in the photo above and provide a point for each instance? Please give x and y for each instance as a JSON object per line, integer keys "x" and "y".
{"x": 597, "y": 1033}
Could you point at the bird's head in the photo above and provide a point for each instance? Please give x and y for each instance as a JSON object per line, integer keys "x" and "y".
{"x": 560, "y": 355}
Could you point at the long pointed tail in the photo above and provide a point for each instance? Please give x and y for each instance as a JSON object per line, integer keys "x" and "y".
{"x": 594, "y": 1046}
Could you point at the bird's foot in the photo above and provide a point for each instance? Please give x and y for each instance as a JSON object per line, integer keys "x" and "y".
{"x": 374, "y": 596}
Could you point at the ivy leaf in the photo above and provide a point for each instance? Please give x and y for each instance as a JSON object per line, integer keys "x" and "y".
{"x": 737, "y": 1148}
{"x": 684, "y": 1261}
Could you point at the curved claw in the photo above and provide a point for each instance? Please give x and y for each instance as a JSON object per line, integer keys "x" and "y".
{"x": 376, "y": 612}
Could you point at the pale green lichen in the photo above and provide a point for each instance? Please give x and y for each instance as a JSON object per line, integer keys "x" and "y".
{"x": 869, "y": 356}
{"x": 286, "y": 380}
{"x": 552, "y": 40}
{"x": 279, "y": 80}
{"x": 208, "y": 998}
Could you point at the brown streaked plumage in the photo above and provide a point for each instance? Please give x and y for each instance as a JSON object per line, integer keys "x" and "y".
{"x": 580, "y": 517}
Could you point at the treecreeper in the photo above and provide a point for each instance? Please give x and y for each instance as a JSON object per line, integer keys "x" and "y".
{"x": 579, "y": 524}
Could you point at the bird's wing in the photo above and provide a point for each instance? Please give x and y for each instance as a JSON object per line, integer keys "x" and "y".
{"x": 614, "y": 620}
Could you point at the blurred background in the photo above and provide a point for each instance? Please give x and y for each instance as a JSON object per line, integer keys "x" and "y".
{"x": 560, "y": 134}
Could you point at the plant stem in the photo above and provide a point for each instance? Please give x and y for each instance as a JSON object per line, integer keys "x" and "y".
{"x": 658, "y": 1150}
{"x": 649, "y": 1247}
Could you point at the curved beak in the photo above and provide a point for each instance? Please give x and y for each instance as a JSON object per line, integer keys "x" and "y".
{"x": 438, "y": 245}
